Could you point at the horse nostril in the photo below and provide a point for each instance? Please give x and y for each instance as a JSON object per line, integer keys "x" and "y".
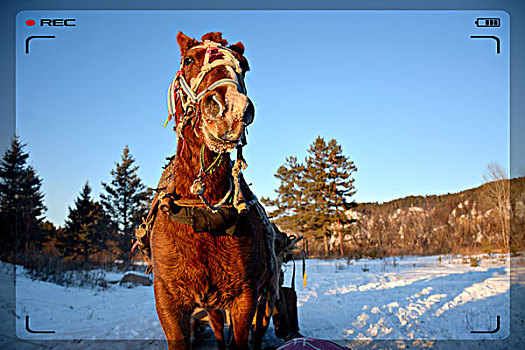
{"x": 249, "y": 113}
{"x": 212, "y": 106}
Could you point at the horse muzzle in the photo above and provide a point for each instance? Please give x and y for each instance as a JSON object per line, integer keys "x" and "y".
{"x": 224, "y": 117}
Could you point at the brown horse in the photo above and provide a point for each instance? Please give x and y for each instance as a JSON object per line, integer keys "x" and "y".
{"x": 225, "y": 269}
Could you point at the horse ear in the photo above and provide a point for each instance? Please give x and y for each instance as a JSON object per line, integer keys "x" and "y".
{"x": 185, "y": 42}
{"x": 215, "y": 37}
{"x": 239, "y": 48}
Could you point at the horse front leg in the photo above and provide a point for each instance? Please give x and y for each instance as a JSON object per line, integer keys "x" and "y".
{"x": 174, "y": 317}
{"x": 242, "y": 312}
{"x": 263, "y": 315}
{"x": 217, "y": 325}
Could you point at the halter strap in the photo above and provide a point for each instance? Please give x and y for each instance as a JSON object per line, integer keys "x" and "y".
{"x": 187, "y": 93}
{"x": 212, "y": 48}
{"x": 197, "y": 97}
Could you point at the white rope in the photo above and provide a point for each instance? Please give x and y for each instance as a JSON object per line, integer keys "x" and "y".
{"x": 200, "y": 193}
{"x": 238, "y": 198}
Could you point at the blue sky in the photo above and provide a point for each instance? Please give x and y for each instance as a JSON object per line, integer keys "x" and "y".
{"x": 418, "y": 106}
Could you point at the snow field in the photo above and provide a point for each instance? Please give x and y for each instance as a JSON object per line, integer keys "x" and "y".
{"x": 420, "y": 298}
{"x": 411, "y": 298}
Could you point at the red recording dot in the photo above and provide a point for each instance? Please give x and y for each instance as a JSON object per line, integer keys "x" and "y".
{"x": 30, "y": 22}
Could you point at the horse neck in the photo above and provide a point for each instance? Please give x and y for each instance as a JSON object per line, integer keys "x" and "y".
{"x": 187, "y": 169}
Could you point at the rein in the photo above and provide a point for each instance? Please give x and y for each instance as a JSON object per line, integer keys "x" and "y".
{"x": 213, "y": 166}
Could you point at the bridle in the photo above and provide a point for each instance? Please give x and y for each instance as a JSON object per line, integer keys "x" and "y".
{"x": 215, "y": 55}
{"x": 189, "y": 97}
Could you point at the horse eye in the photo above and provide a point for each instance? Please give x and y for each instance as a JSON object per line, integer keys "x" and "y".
{"x": 188, "y": 61}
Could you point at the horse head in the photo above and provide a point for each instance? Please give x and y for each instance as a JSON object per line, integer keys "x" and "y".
{"x": 210, "y": 87}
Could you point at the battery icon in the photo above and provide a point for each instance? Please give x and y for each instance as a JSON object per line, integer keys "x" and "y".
{"x": 487, "y": 22}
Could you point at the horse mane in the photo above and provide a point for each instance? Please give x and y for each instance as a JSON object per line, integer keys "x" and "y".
{"x": 215, "y": 37}
{"x": 186, "y": 43}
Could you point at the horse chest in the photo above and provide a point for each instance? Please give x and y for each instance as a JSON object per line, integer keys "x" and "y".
{"x": 207, "y": 270}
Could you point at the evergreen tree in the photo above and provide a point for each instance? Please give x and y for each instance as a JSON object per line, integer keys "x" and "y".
{"x": 48, "y": 230}
{"x": 313, "y": 197}
{"x": 85, "y": 228}
{"x": 125, "y": 202}
{"x": 290, "y": 203}
{"x": 21, "y": 200}
{"x": 329, "y": 188}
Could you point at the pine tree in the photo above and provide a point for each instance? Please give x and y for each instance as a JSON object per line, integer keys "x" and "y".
{"x": 85, "y": 228}
{"x": 313, "y": 196}
{"x": 125, "y": 203}
{"x": 329, "y": 188}
{"x": 290, "y": 201}
{"x": 21, "y": 200}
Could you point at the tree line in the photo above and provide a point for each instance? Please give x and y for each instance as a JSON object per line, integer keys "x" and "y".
{"x": 314, "y": 200}
{"x": 95, "y": 231}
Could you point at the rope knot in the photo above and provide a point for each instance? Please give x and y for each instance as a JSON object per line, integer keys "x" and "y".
{"x": 197, "y": 188}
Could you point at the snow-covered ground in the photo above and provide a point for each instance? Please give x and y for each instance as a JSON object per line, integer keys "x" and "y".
{"x": 413, "y": 298}
{"x": 420, "y": 298}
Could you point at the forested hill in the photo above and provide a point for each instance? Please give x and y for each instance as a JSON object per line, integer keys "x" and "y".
{"x": 517, "y": 187}
{"x": 474, "y": 220}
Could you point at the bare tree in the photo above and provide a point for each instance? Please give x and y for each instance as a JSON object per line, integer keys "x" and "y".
{"x": 497, "y": 195}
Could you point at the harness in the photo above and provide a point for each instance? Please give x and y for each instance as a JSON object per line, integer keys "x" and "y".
{"x": 201, "y": 215}
{"x": 195, "y": 213}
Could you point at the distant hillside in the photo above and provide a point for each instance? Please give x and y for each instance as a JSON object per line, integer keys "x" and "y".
{"x": 517, "y": 185}
{"x": 455, "y": 222}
